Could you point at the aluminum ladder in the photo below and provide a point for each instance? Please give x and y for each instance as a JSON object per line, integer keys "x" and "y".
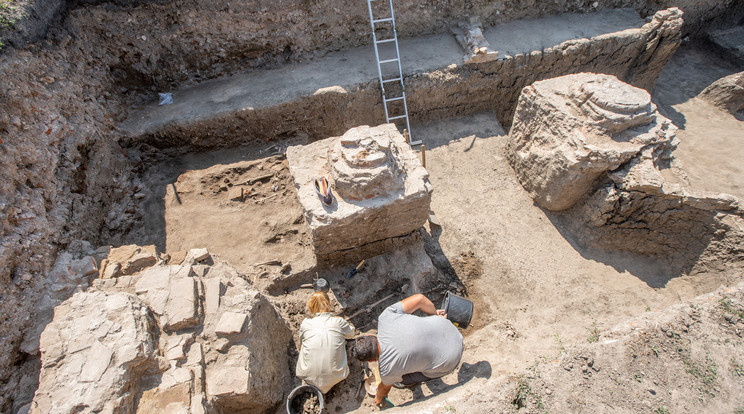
{"x": 392, "y": 76}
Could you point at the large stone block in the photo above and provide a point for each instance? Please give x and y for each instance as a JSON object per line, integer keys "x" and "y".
{"x": 570, "y": 130}
{"x": 380, "y": 188}
{"x": 248, "y": 371}
{"x": 93, "y": 354}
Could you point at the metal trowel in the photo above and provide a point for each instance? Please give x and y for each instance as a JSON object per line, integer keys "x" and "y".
{"x": 354, "y": 270}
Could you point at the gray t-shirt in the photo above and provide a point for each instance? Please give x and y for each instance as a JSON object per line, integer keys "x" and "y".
{"x": 431, "y": 345}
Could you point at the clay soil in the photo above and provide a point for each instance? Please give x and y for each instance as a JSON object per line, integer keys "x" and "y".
{"x": 539, "y": 296}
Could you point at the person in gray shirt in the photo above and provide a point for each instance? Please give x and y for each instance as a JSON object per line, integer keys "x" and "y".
{"x": 409, "y": 348}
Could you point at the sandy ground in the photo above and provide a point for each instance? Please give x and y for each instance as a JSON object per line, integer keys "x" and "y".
{"x": 536, "y": 291}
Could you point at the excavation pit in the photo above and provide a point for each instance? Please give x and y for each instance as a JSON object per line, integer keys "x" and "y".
{"x": 545, "y": 298}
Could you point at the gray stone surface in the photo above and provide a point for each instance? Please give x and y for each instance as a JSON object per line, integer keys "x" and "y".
{"x": 570, "y": 130}
{"x": 727, "y": 93}
{"x": 380, "y": 188}
{"x": 181, "y": 310}
{"x": 230, "y": 323}
{"x": 246, "y": 371}
{"x": 93, "y": 353}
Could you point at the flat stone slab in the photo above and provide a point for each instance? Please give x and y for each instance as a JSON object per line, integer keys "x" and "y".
{"x": 181, "y": 310}
{"x": 230, "y": 323}
{"x": 380, "y": 189}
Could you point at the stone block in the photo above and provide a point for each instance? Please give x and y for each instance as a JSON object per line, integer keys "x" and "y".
{"x": 154, "y": 278}
{"x": 230, "y": 323}
{"x": 198, "y": 255}
{"x": 110, "y": 269}
{"x": 235, "y": 194}
{"x": 130, "y": 259}
{"x": 93, "y": 354}
{"x": 567, "y": 131}
{"x": 228, "y": 381}
{"x": 380, "y": 188}
{"x": 212, "y": 294}
{"x": 181, "y": 310}
{"x": 726, "y": 93}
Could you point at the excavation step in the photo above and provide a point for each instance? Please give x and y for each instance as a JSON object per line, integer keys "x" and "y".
{"x": 326, "y": 96}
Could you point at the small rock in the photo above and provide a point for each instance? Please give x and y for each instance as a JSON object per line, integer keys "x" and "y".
{"x": 199, "y": 254}
{"x": 235, "y": 194}
{"x": 221, "y": 345}
{"x": 230, "y": 323}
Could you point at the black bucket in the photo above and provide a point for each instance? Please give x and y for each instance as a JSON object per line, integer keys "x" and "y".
{"x": 458, "y": 309}
{"x": 293, "y": 406}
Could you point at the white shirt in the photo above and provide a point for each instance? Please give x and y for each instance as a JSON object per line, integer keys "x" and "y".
{"x": 322, "y": 361}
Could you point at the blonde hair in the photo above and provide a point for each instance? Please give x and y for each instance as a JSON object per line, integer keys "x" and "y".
{"x": 319, "y": 302}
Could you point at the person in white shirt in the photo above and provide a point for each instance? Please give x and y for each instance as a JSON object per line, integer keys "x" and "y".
{"x": 322, "y": 361}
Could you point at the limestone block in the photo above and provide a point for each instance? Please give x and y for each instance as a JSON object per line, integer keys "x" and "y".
{"x": 230, "y": 323}
{"x": 727, "y": 93}
{"x": 153, "y": 278}
{"x": 175, "y": 346}
{"x": 213, "y": 291}
{"x": 195, "y": 355}
{"x": 181, "y": 310}
{"x": 198, "y": 255}
{"x": 567, "y": 131}
{"x": 93, "y": 353}
{"x": 228, "y": 382}
{"x": 247, "y": 371}
{"x": 380, "y": 188}
{"x": 235, "y": 194}
{"x": 130, "y": 259}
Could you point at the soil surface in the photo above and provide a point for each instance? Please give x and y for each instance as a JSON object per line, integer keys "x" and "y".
{"x": 306, "y": 403}
{"x": 537, "y": 292}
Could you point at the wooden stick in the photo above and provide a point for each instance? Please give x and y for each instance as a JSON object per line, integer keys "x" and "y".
{"x": 370, "y": 307}
{"x": 423, "y": 155}
{"x": 405, "y": 134}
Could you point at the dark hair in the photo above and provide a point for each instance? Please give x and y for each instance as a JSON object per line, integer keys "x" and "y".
{"x": 365, "y": 348}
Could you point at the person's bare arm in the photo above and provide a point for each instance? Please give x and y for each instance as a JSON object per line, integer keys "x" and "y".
{"x": 382, "y": 392}
{"x": 418, "y": 302}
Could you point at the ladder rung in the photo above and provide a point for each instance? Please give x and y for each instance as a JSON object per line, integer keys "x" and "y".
{"x": 385, "y": 40}
{"x": 392, "y": 80}
{"x": 389, "y": 60}
{"x": 389, "y": 19}
{"x": 396, "y": 117}
{"x": 394, "y": 99}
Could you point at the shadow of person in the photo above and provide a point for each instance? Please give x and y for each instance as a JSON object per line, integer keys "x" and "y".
{"x": 481, "y": 369}
{"x": 467, "y": 372}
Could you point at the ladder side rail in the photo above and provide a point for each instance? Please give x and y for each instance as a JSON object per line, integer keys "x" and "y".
{"x": 400, "y": 72}
{"x": 377, "y": 57}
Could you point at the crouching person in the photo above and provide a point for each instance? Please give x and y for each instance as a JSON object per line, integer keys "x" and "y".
{"x": 322, "y": 361}
{"x": 410, "y": 349}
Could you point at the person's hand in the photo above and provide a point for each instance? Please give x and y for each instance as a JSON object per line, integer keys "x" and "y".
{"x": 441, "y": 313}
